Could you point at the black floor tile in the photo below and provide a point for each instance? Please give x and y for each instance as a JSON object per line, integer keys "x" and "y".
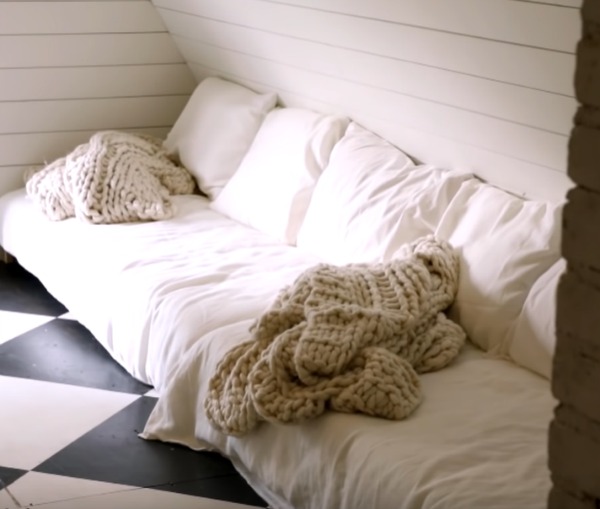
{"x": 64, "y": 351}
{"x": 9, "y": 476}
{"x": 113, "y": 452}
{"x": 22, "y": 292}
{"x": 232, "y": 488}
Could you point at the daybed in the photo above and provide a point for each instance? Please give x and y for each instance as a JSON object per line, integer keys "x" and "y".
{"x": 283, "y": 190}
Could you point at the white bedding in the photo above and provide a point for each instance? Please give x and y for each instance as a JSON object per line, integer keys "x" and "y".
{"x": 478, "y": 440}
{"x": 148, "y": 311}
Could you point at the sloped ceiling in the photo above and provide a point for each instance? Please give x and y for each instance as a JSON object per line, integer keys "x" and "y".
{"x": 483, "y": 86}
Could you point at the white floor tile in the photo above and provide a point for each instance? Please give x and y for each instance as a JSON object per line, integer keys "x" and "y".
{"x": 56, "y": 492}
{"x": 42, "y": 417}
{"x": 6, "y": 502}
{"x": 14, "y": 324}
{"x": 68, "y": 316}
{"x": 37, "y": 488}
{"x": 152, "y": 393}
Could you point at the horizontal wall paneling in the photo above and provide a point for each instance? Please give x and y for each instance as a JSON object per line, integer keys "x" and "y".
{"x": 11, "y": 177}
{"x": 81, "y": 114}
{"x": 515, "y": 175}
{"x": 78, "y": 17}
{"x": 70, "y": 68}
{"x": 527, "y": 66}
{"x": 533, "y": 145}
{"x": 17, "y": 51}
{"x": 497, "y": 20}
{"x": 85, "y": 82}
{"x": 466, "y": 83}
{"x": 32, "y": 149}
{"x": 506, "y": 101}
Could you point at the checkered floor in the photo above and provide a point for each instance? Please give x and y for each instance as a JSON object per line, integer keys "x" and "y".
{"x": 69, "y": 418}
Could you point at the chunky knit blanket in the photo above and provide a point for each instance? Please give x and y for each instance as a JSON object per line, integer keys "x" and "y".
{"x": 114, "y": 178}
{"x": 350, "y": 339}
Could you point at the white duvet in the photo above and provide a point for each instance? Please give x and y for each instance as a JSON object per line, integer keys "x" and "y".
{"x": 477, "y": 441}
{"x": 168, "y": 299}
{"x": 149, "y": 291}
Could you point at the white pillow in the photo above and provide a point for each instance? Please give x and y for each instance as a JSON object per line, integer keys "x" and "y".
{"x": 371, "y": 199}
{"x": 272, "y": 187}
{"x": 534, "y": 337}
{"x": 506, "y": 244}
{"x": 216, "y": 129}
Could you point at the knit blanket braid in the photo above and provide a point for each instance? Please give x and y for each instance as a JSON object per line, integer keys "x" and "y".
{"x": 114, "y": 178}
{"x": 349, "y": 339}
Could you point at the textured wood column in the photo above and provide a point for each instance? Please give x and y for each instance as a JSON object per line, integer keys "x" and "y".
{"x": 575, "y": 431}
{"x": 5, "y": 257}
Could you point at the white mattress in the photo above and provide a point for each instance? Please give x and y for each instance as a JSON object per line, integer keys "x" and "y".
{"x": 478, "y": 440}
{"x": 148, "y": 291}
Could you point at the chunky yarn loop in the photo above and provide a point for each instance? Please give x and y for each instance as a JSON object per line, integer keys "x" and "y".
{"x": 114, "y": 178}
{"x": 350, "y": 339}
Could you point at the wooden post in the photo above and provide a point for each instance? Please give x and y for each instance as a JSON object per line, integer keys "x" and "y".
{"x": 574, "y": 445}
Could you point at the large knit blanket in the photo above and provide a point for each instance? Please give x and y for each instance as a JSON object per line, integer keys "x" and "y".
{"x": 114, "y": 178}
{"x": 350, "y": 339}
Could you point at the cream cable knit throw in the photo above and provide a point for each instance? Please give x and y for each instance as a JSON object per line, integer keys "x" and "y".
{"x": 114, "y": 178}
{"x": 350, "y": 339}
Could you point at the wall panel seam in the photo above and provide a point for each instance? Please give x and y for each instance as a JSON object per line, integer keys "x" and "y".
{"x": 56, "y": 131}
{"x": 94, "y": 98}
{"x": 237, "y": 77}
{"x": 94, "y": 66}
{"x": 369, "y": 53}
{"x": 421, "y": 27}
{"x": 552, "y": 4}
{"x": 380, "y": 20}
{"x": 396, "y": 92}
{"x": 79, "y": 34}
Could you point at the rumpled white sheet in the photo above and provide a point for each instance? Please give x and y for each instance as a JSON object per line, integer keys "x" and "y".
{"x": 478, "y": 440}
{"x": 149, "y": 291}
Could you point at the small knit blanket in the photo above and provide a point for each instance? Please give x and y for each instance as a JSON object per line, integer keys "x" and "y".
{"x": 349, "y": 339}
{"x": 114, "y": 178}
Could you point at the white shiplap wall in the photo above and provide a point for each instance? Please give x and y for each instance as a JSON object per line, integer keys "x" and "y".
{"x": 484, "y": 85}
{"x": 70, "y": 68}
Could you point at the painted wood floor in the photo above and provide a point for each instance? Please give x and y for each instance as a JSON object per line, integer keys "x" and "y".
{"x": 70, "y": 415}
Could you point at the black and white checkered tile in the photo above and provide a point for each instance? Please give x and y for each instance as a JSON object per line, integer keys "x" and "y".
{"x": 69, "y": 418}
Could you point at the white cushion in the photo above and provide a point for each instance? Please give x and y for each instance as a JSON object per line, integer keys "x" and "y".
{"x": 215, "y": 130}
{"x": 272, "y": 187}
{"x": 534, "y": 338}
{"x": 371, "y": 199}
{"x": 506, "y": 244}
